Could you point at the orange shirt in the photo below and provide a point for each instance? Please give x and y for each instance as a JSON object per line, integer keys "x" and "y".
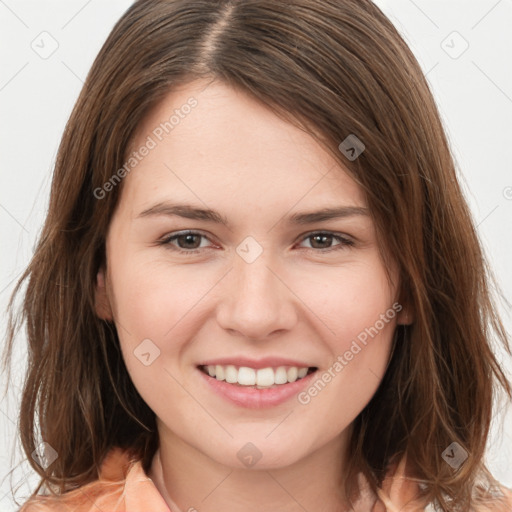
{"x": 123, "y": 486}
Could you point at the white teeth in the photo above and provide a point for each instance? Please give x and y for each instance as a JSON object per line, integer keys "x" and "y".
{"x": 231, "y": 374}
{"x": 281, "y": 377}
{"x": 292, "y": 374}
{"x": 246, "y": 376}
{"x": 219, "y": 372}
{"x": 261, "y": 378}
{"x": 264, "y": 377}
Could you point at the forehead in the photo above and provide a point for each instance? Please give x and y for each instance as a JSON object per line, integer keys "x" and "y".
{"x": 208, "y": 142}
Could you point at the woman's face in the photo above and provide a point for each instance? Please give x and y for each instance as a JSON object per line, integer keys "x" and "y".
{"x": 259, "y": 291}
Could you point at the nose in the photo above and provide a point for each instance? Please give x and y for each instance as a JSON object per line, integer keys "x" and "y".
{"x": 257, "y": 301}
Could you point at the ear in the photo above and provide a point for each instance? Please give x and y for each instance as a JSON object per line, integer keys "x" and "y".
{"x": 405, "y": 316}
{"x": 102, "y": 302}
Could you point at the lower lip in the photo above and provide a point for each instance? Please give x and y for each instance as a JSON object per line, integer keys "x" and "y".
{"x": 253, "y": 398}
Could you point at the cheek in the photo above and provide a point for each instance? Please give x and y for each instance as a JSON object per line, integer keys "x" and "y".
{"x": 358, "y": 311}
{"x": 342, "y": 390}
{"x": 349, "y": 301}
{"x": 153, "y": 297}
{"x": 154, "y": 311}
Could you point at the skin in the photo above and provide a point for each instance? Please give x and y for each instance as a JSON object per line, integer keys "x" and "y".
{"x": 296, "y": 299}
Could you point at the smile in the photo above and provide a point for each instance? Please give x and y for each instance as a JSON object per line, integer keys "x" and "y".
{"x": 244, "y": 390}
{"x": 261, "y": 378}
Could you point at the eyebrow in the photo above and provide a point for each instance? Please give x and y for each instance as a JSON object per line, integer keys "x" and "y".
{"x": 188, "y": 211}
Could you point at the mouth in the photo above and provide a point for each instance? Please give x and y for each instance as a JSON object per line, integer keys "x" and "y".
{"x": 261, "y": 378}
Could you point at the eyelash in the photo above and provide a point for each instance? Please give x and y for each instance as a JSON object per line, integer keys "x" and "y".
{"x": 344, "y": 242}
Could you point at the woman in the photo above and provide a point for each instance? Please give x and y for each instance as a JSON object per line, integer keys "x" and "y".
{"x": 254, "y": 371}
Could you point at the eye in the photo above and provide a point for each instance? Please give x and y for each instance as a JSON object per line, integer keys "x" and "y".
{"x": 185, "y": 238}
{"x": 323, "y": 237}
{"x": 186, "y": 244}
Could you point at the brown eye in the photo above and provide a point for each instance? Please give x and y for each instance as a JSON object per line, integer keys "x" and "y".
{"x": 322, "y": 241}
{"x": 186, "y": 242}
{"x": 189, "y": 242}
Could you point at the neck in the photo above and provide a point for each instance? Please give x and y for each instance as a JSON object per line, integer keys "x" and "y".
{"x": 190, "y": 481}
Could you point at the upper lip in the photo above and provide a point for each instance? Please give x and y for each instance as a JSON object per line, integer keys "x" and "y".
{"x": 266, "y": 362}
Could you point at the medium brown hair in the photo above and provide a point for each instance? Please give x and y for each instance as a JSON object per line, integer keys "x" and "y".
{"x": 334, "y": 68}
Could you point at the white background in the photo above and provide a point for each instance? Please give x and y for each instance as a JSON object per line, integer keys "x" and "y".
{"x": 473, "y": 91}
